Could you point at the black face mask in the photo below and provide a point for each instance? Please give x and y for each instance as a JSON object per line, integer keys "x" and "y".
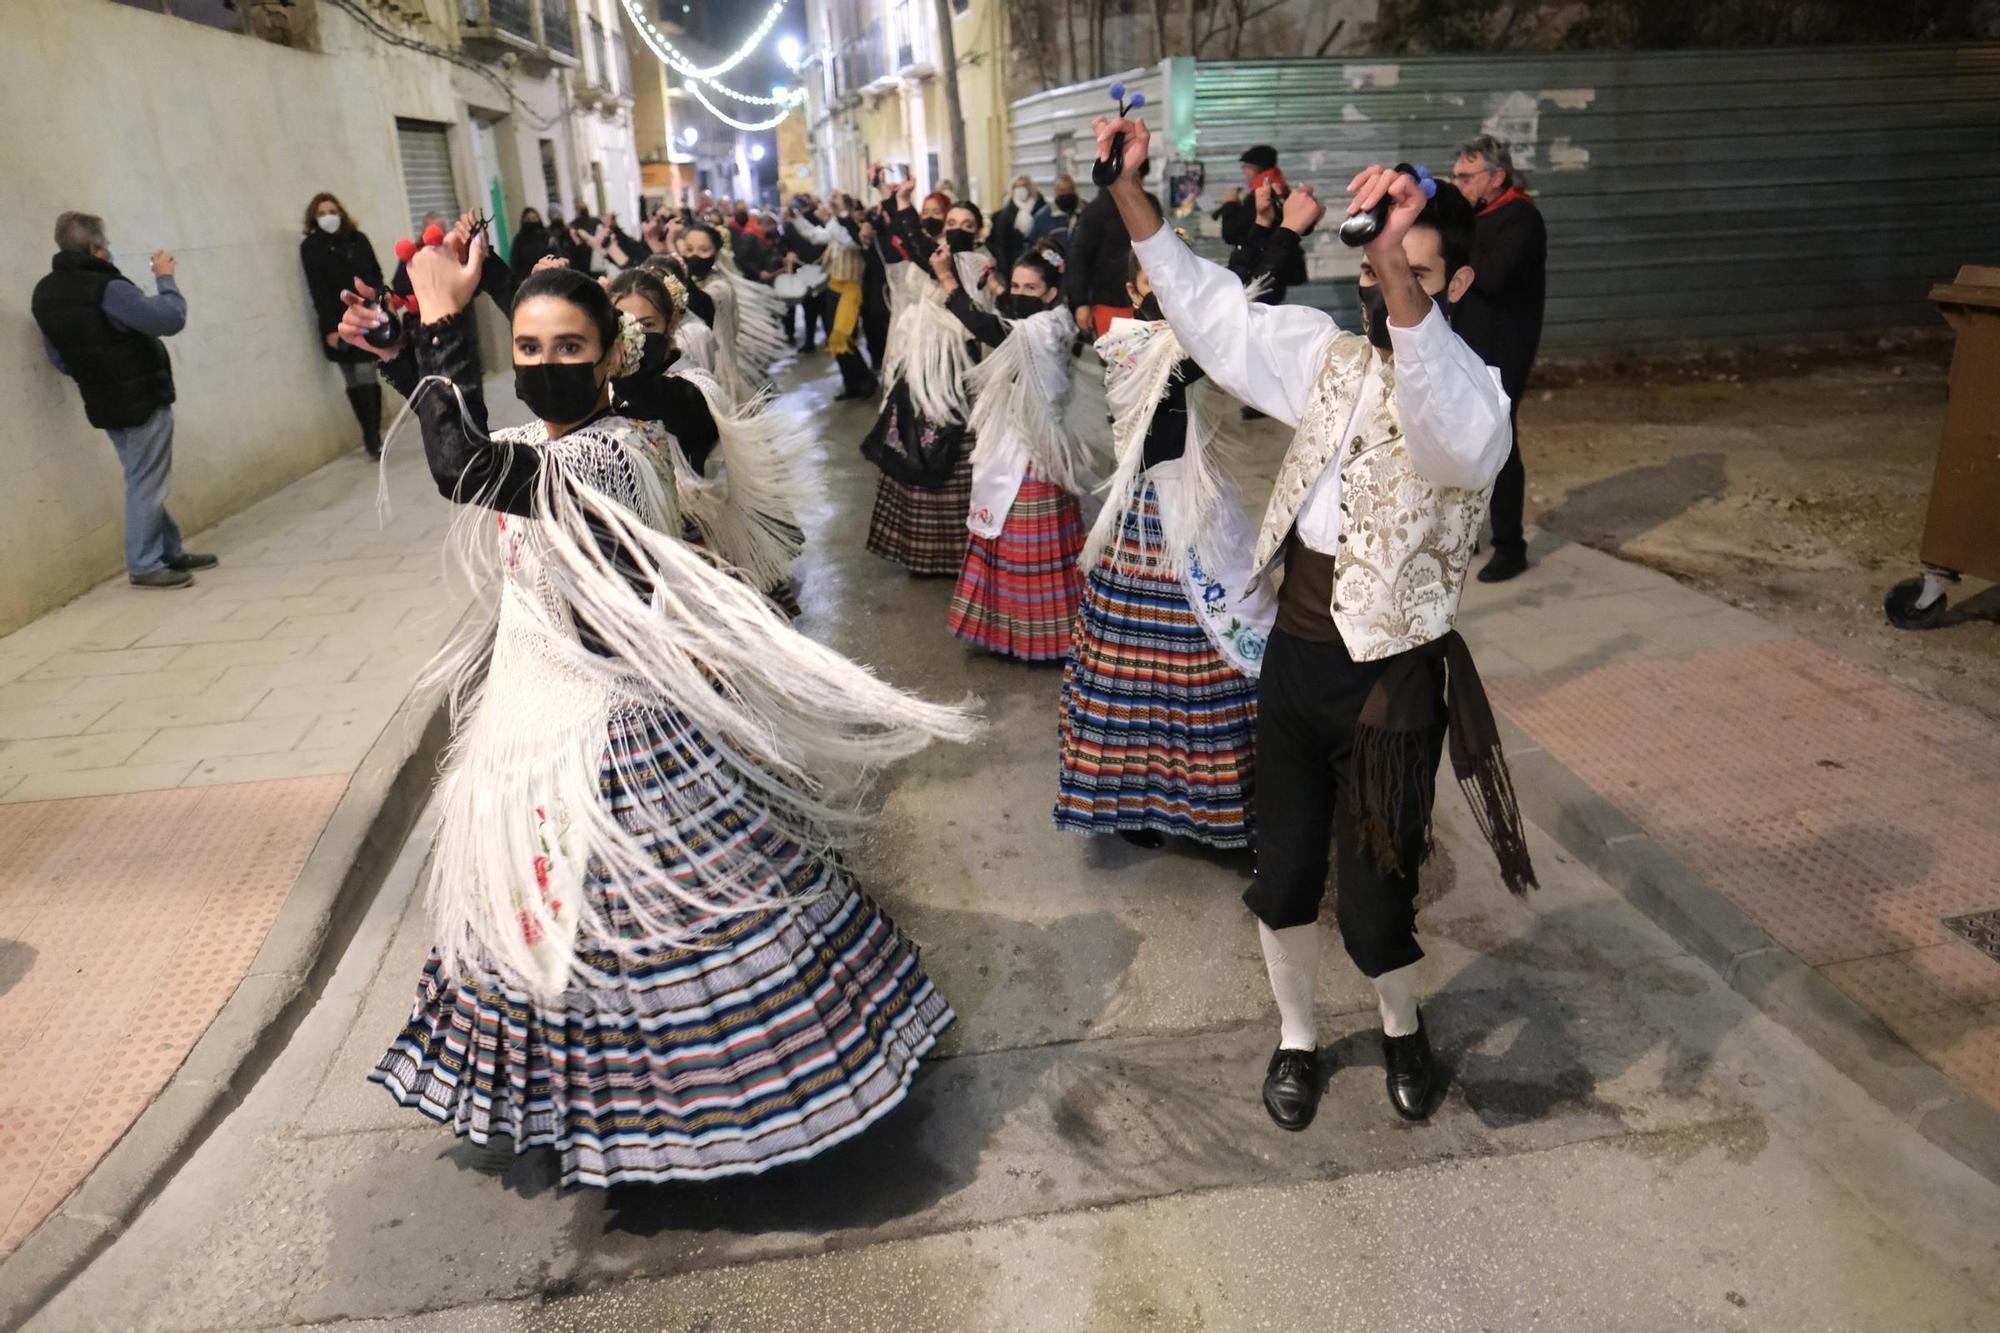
{"x": 960, "y": 241}
{"x": 934, "y": 225}
{"x": 1375, "y": 316}
{"x": 1020, "y": 307}
{"x": 654, "y": 359}
{"x": 558, "y": 391}
{"x": 1149, "y": 309}
{"x": 1067, "y": 202}
{"x": 700, "y": 266}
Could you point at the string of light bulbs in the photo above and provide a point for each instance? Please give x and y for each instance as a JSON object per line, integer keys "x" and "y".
{"x": 675, "y": 59}
{"x": 727, "y": 119}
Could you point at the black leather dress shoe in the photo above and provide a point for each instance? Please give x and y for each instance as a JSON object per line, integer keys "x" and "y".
{"x": 1503, "y": 566}
{"x": 188, "y": 560}
{"x": 1412, "y": 1073}
{"x": 1291, "y": 1088}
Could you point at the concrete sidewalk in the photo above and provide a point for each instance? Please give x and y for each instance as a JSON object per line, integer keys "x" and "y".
{"x": 1846, "y": 822}
{"x": 168, "y": 763}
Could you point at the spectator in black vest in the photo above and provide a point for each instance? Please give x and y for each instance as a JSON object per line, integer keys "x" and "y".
{"x": 1501, "y": 317}
{"x": 103, "y": 332}
{"x": 335, "y": 253}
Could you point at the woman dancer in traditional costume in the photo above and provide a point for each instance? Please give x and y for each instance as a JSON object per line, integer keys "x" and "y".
{"x": 920, "y": 441}
{"x": 1019, "y": 584}
{"x": 739, "y": 469}
{"x": 648, "y": 954}
{"x": 1159, "y": 700}
{"x": 749, "y": 337}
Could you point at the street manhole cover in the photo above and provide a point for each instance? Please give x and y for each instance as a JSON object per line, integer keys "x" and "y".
{"x": 1980, "y": 929}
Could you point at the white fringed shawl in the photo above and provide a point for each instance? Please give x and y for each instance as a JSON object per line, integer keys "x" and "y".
{"x": 696, "y": 342}
{"x": 1022, "y": 390}
{"x": 749, "y": 512}
{"x": 754, "y": 339}
{"x": 794, "y": 727}
{"x": 927, "y": 348}
{"x": 1139, "y": 360}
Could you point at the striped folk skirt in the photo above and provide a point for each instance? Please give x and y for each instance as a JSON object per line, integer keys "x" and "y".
{"x": 923, "y": 530}
{"x": 793, "y": 1029}
{"x": 1017, "y": 593}
{"x": 1157, "y": 730}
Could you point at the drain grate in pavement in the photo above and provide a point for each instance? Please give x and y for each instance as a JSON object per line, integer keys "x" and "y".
{"x": 1980, "y": 929}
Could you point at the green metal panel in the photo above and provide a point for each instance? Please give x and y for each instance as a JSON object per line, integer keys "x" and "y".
{"x": 1690, "y": 196}
{"x": 1696, "y": 196}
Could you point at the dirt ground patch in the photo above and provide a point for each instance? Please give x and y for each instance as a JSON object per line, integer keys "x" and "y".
{"x": 1792, "y": 485}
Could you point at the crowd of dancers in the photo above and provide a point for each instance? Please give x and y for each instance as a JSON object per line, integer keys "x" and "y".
{"x": 650, "y": 955}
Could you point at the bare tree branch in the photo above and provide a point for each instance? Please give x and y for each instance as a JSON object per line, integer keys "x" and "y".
{"x": 1327, "y": 44}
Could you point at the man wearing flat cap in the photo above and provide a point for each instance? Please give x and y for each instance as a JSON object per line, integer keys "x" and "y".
{"x": 1247, "y": 232}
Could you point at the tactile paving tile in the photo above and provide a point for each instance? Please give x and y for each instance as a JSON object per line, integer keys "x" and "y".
{"x": 1845, "y": 814}
{"x": 1920, "y": 981}
{"x": 136, "y": 917}
{"x": 1979, "y": 929}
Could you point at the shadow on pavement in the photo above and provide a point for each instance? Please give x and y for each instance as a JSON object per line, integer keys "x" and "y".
{"x": 1613, "y": 511}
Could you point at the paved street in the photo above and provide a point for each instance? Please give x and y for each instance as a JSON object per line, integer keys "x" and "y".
{"x": 1628, "y": 1142}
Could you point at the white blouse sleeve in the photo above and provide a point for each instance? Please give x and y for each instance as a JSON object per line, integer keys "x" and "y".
{"x": 1453, "y": 411}
{"x": 831, "y": 234}
{"x": 1267, "y": 355}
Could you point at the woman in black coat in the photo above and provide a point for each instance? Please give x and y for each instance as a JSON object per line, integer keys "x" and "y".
{"x": 532, "y": 242}
{"x": 335, "y": 253}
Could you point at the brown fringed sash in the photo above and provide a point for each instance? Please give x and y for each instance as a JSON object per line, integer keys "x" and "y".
{"x": 1389, "y": 757}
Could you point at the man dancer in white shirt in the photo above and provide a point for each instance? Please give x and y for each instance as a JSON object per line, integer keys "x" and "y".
{"x": 1400, "y": 435}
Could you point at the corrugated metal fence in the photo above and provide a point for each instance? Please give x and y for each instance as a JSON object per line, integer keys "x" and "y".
{"x": 1049, "y": 134}
{"x": 1690, "y": 196}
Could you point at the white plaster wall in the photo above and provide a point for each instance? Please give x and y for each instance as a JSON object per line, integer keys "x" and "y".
{"x": 208, "y": 144}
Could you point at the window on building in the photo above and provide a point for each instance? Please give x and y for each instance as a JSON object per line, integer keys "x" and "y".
{"x": 274, "y": 23}
{"x": 961, "y": 7}
{"x": 936, "y": 170}
{"x": 903, "y": 34}
{"x": 551, "y": 177}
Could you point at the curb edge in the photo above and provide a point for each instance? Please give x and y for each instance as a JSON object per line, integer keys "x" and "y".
{"x": 317, "y": 919}
{"x": 1773, "y": 979}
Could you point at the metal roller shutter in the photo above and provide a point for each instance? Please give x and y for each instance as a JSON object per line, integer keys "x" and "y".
{"x": 427, "y": 178}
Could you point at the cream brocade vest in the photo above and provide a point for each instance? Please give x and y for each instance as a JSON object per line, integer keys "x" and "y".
{"x": 1399, "y": 571}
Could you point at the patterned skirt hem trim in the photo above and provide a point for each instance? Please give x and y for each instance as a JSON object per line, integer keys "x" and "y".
{"x": 934, "y": 1027}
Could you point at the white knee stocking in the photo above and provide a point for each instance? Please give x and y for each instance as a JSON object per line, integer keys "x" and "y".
{"x": 1292, "y": 957}
{"x": 1396, "y": 993}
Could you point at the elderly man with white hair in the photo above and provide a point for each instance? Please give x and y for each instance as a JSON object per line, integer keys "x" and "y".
{"x": 1501, "y": 317}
